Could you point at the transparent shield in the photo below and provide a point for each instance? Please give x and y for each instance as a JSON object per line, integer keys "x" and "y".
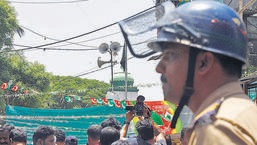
{"x": 140, "y": 29}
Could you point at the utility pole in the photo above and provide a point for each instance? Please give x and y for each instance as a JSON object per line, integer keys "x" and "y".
{"x": 126, "y": 71}
{"x": 242, "y": 7}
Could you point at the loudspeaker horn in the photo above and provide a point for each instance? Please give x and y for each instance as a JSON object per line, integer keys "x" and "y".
{"x": 103, "y": 48}
{"x": 101, "y": 62}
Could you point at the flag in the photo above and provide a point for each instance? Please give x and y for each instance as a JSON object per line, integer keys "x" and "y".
{"x": 4, "y": 86}
{"x": 77, "y": 98}
{"x": 99, "y": 100}
{"x": 67, "y": 99}
{"x": 117, "y": 103}
{"x": 110, "y": 103}
{"x": 93, "y": 100}
{"x": 15, "y": 88}
{"x": 105, "y": 101}
{"x": 123, "y": 104}
{"x": 123, "y": 59}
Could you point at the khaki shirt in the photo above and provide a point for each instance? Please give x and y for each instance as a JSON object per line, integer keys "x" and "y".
{"x": 227, "y": 117}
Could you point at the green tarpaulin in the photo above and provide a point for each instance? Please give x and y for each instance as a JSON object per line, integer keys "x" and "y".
{"x": 73, "y": 121}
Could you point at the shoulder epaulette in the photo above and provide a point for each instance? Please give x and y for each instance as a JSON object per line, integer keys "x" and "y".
{"x": 206, "y": 116}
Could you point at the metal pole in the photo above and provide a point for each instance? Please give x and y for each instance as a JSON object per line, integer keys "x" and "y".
{"x": 243, "y": 8}
{"x": 126, "y": 72}
{"x": 111, "y": 70}
{"x": 240, "y": 6}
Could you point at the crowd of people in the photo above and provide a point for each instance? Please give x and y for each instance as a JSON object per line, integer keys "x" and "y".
{"x": 43, "y": 135}
{"x": 109, "y": 132}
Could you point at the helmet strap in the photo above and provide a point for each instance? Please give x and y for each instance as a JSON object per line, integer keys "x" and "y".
{"x": 189, "y": 86}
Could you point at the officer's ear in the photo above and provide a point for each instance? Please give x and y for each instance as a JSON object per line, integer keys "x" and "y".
{"x": 205, "y": 61}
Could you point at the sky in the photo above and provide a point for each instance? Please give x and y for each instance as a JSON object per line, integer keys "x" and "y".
{"x": 45, "y": 21}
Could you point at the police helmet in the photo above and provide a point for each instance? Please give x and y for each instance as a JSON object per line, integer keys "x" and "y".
{"x": 207, "y": 25}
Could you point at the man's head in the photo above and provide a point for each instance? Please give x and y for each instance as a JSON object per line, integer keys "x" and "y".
{"x": 120, "y": 142}
{"x": 71, "y": 140}
{"x": 145, "y": 129}
{"x": 109, "y": 135}
{"x": 111, "y": 122}
{"x": 194, "y": 40}
{"x": 60, "y": 137}
{"x": 173, "y": 68}
{"x": 18, "y": 136}
{"x": 9, "y": 126}
{"x": 93, "y": 133}
{"x": 44, "y": 135}
{"x": 4, "y": 136}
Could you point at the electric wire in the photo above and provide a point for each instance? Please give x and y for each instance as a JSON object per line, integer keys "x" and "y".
{"x": 71, "y": 38}
{"x": 64, "y": 40}
{"x": 47, "y": 2}
{"x": 53, "y": 48}
{"x": 76, "y": 43}
{"x": 45, "y": 37}
{"x": 89, "y": 72}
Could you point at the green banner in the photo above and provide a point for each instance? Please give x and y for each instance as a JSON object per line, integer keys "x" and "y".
{"x": 72, "y": 121}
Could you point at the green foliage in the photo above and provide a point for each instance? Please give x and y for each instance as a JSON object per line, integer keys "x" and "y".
{"x": 8, "y": 25}
{"x": 44, "y": 89}
{"x": 30, "y": 76}
{"x": 69, "y": 86}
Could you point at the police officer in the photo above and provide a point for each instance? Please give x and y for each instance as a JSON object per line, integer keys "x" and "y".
{"x": 203, "y": 48}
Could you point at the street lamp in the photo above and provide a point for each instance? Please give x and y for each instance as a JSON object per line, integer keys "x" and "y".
{"x": 113, "y": 50}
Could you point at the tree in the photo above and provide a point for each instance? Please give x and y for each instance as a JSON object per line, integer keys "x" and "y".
{"x": 62, "y": 86}
{"x": 8, "y": 25}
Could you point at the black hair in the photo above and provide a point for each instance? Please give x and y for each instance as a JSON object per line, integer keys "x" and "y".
{"x": 120, "y": 142}
{"x": 145, "y": 129}
{"x": 18, "y": 135}
{"x": 60, "y": 135}
{"x": 2, "y": 129}
{"x": 71, "y": 140}
{"x": 9, "y": 126}
{"x": 109, "y": 135}
{"x": 42, "y": 132}
{"x": 231, "y": 66}
{"x": 111, "y": 122}
{"x": 94, "y": 131}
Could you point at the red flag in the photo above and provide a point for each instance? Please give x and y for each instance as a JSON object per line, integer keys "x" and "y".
{"x": 127, "y": 102}
{"x": 4, "y": 86}
{"x": 105, "y": 101}
{"x": 93, "y": 100}
{"x": 117, "y": 103}
{"x": 15, "y": 88}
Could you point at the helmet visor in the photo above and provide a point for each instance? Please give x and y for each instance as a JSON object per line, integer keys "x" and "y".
{"x": 141, "y": 29}
{"x": 218, "y": 29}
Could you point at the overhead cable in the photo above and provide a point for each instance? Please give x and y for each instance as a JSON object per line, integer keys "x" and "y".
{"x": 70, "y": 43}
{"x": 53, "y": 48}
{"x": 47, "y": 44}
{"x": 89, "y": 72}
{"x": 47, "y": 2}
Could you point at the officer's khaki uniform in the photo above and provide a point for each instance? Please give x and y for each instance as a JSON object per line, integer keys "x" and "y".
{"x": 227, "y": 117}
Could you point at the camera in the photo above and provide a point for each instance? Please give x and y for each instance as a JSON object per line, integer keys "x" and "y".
{"x": 138, "y": 108}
